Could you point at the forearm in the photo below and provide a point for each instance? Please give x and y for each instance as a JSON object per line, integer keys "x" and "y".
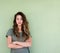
{"x": 25, "y": 44}
{"x": 14, "y": 46}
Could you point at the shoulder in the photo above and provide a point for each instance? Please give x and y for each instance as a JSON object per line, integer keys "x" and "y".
{"x": 10, "y": 29}
{"x": 9, "y": 32}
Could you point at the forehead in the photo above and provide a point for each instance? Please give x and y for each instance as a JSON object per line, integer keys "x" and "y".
{"x": 18, "y": 16}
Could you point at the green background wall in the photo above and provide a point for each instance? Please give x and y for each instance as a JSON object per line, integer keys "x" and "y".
{"x": 44, "y": 21}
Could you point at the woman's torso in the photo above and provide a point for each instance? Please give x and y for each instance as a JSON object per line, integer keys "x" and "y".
{"x": 18, "y": 50}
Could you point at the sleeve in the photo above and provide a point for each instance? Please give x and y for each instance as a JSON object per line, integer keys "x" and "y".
{"x": 9, "y": 33}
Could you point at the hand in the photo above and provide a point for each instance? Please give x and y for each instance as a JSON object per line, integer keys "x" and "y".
{"x": 16, "y": 42}
{"x": 19, "y": 46}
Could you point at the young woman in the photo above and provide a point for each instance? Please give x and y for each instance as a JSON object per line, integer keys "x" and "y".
{"x": 18, "y": 37}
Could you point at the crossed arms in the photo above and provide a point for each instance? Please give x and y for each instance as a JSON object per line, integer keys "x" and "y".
{"x": 17, "y": 44}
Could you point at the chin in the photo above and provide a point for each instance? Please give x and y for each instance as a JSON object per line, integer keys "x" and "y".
{"x": 19, "y": 24}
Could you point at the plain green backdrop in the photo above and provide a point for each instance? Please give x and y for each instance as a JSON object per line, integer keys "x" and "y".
{"x": 44, "y": 22}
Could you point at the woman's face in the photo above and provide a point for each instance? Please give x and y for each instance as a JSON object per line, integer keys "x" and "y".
{"x": 19, "y": 20}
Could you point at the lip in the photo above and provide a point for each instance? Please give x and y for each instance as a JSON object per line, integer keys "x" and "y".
{"x": 19, "y": 23}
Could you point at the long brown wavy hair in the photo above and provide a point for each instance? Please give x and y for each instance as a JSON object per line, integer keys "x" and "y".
{"x": 24, "y": 27}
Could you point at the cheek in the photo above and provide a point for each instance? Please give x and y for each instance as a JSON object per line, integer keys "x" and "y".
{"x": 16, "y": 21}
{"x": 21, "y": 21}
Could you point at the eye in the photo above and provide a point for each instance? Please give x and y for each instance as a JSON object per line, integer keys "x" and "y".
{"x": 17, "y": 18}
{"x": 21, "y": 19}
